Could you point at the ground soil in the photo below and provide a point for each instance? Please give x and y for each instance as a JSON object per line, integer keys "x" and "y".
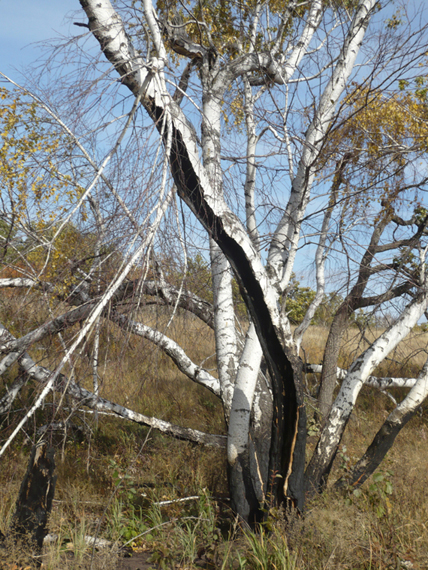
{"x": 136, "y": 561}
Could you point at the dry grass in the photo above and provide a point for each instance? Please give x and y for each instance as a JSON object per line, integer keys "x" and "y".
{"x": 108, "y": 482}
{"x": 375, "y": 529}
{"x": 338, "y": 532}
{"x": 406, "y": 360}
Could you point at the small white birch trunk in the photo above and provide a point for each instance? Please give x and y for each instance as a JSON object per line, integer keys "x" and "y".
{"x": 245, "y": 479}
{"x": 224, "y": 325}
{"x": 360, "y": 370}
{"x": 385, "y": 437}
{"x": 251, "y": 172}
{"x": 95, "y": 361}
{"x": 286, "y": 239}
{"x": 224, "y": 312}
{"x": 243, "y": 396}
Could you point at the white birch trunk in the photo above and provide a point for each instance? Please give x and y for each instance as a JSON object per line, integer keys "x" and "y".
{"x": 224, "y": 313}
{"x": 352, "y": 384}
{"x": 246, "y": 479}
{"x": 224, "y": 325}
{"x": 243, "y": 396}
{"x": 414, "y": 398}
{"x": 251, "y": 171}
{"x": 286, "y": 239}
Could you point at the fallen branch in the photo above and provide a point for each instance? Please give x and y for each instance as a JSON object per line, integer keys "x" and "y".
{"x": 99, "y": 543}
{"x": 173, "y": 350}
{"x": 381, "y": 383}
{"x": 85, "y": 397}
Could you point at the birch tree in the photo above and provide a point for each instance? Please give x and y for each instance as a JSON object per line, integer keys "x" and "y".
{"x": 235, "y": 113}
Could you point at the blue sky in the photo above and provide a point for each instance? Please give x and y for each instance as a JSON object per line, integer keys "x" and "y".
{"x": 24, "y": 22}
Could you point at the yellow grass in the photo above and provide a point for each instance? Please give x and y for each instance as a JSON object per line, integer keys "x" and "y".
{"x": 338, "y": 532}
{"x": 406, "y": 360}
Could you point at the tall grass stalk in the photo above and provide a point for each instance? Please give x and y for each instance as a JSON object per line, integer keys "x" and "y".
{"x": 269, "y": 552}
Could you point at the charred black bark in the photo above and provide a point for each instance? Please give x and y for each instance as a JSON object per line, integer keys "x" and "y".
{"x": 373, "y": 457}
{"x": 288, "y": 437}
{"x": 35, "y": 497}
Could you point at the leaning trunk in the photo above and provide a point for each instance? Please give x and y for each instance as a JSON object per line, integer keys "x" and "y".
{"x": 331, "y": 435}
{"x": 385, "y": 437}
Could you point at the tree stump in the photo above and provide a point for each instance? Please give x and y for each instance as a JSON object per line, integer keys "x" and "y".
{"x": 34, "y": 503}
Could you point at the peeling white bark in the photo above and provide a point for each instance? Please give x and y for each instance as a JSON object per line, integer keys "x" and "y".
{"x": 173, "y": 350}
{"x": 284, "y": 245}
{"x": 357, "y": 376}
{"x": 243, "y": 396}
